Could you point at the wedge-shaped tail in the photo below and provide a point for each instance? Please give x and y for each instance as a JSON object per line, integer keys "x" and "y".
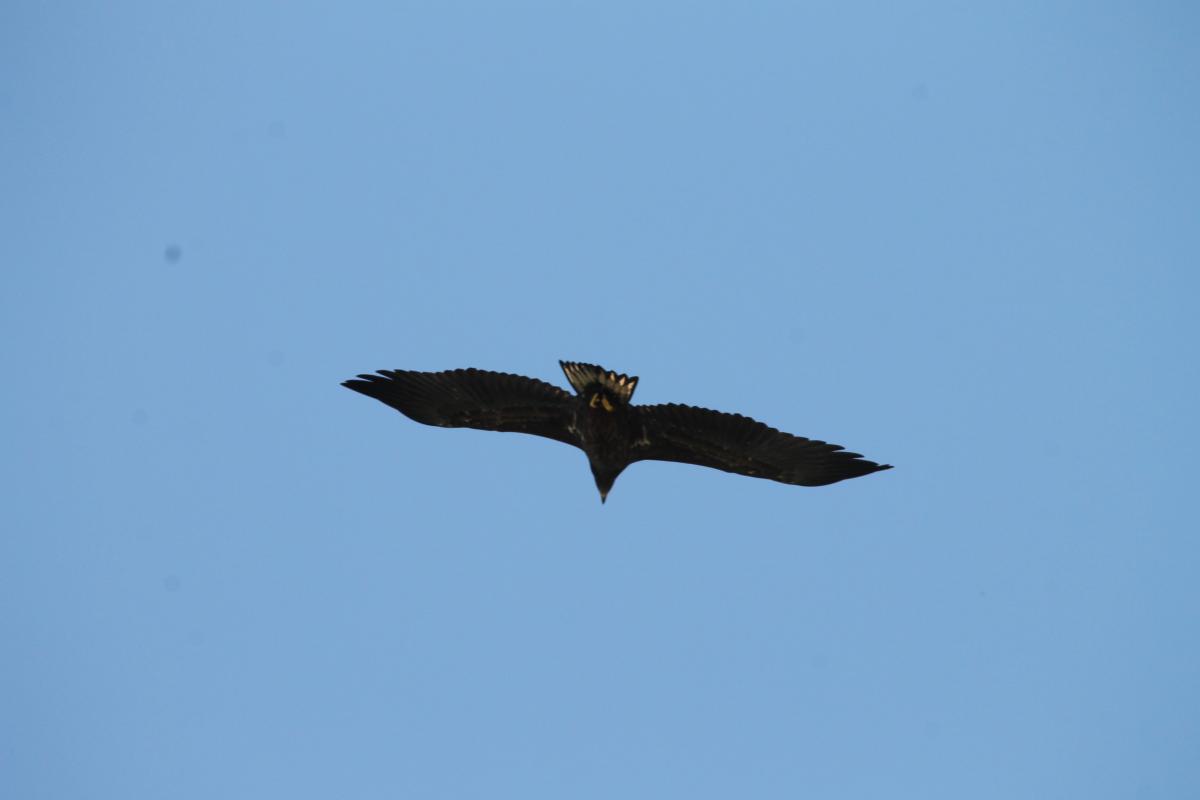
{"x": 589, "y": 376}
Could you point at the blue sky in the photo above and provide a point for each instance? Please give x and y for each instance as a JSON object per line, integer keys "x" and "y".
{"x": 960, "y": 240}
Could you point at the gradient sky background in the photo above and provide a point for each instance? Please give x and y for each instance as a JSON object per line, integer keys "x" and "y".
{"x": 960, "y": 240}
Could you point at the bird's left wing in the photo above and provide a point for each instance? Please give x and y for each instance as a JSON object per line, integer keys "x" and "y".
{"x": 734, "y": 443}
{"x": 473, "y": 398}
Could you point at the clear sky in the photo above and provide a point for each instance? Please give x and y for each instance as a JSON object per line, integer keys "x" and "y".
{"x": 961, "y": 240}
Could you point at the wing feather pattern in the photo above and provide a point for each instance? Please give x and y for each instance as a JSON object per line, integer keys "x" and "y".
{"x": 738, "y": 444}
{"x": 473, "y": 398}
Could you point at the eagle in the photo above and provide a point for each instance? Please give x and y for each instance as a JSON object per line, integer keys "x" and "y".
{"x": 601, "y": 421}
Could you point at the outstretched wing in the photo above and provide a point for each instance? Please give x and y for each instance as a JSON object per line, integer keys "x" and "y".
{"x": 734, "y": 443}
{"x": 473, "y": 398}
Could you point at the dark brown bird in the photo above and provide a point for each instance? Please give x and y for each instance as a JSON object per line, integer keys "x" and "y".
{"x": 600, "y": 420}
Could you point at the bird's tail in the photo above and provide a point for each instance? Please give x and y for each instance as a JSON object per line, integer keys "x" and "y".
{"x": 585, "y": 376}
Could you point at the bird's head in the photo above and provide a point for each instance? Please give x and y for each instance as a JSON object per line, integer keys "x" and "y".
{"x": 605, "y": 478}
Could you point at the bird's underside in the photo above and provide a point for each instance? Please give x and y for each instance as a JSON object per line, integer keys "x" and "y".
{"x": 614, "y": 433}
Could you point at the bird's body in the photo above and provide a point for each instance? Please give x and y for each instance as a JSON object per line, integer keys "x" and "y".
{"x": 606, "y": 423}
{"x": 614, "y": 433}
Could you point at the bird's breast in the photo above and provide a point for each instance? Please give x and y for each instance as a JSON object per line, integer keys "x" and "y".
{"x": 602, "y": 428}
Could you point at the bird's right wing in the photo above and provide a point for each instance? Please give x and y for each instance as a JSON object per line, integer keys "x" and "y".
{"x": 734, "y": 443}
{"x": 473, "y": 398}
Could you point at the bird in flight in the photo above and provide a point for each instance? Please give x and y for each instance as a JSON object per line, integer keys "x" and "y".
{"x": 611, "y": 431}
